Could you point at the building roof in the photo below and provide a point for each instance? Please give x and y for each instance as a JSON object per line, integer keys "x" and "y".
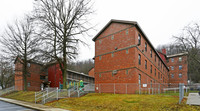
{"x": 139, "y": 29}
{"x": 177, "y": 55}
{"x": 79, "y": 73}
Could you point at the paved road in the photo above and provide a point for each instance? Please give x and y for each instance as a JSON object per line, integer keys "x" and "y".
{"x": 4, "y": 106}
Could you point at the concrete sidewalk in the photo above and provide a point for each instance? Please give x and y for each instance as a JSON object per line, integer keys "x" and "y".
{"x": 31, "y": 105}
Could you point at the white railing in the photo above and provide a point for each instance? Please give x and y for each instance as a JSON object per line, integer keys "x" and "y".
{"x": 175, "y": 89}
{"x": 7, "y": 90}
{"x": 44, "y": 95}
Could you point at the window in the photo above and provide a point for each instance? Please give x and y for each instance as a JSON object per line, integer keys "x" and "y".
{"x": 126, "y": 51}
{"x": 145, "y": 46}
{"x": 127, "y": 71}
{"x": 139, "y": 59}
{"x": 99, "y": 57}
{"x": 180, "y": 59}
{"x": 151, "y": 53}
{"x": 28, "y": 84}
{"x": 112, "y": 37}
{"x": 151, "y": 69}
{"x": 180, "y": 75}
{"x": 172, "y": 59}
{"x": 172, "y": 67}
{"x": 145, "y": 64}
{"x": 155, "y": 58}
{"x": 158, "y": 75}
{"x": 158, "y": 62}
{"x": 99, "y": 41}
{"x": 42, "y": 77}
{"x": 112, "y": 54}
{"x": 180, "y": 67}
{"x": 139, "y": 79}
{"x": 172, "y": 75}
{"x": 99, "y": 75}
{"x": 139, "y": 39}
{"x": 155, "y": 72}
{"x": 127, "y": 32}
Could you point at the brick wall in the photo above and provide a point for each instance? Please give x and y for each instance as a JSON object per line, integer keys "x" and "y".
{"x": 116, "y": 51}
{"x": 174, "y": 74}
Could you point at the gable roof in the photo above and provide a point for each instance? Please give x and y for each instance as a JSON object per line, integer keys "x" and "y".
{"x": 139, "y": 29}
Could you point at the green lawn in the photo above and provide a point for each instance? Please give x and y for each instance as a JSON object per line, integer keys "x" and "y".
{"x": 123, "y": 102}
{"x": 28, "y": 96}
{"x": 113, "y": 102}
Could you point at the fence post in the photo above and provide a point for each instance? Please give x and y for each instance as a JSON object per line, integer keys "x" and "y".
{"x": 35, "y": 97}
{"x": 181, "y": 92}
{"x": 43, "y": 98}
{"x": 139, "y": 89}
{"x": 69, "y": 93}
{"x": 57, "y": 93}
{"x": 47, "y": 91}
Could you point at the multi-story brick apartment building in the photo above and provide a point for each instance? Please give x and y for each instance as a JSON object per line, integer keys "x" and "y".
{"x": 41, "y": 75}
{"x": 178, "y": 68}
{"x": 124, "y": 55}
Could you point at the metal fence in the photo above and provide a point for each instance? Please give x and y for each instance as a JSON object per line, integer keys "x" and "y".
{"x": 7, "y": 90}
{"x": 135, "y": 88}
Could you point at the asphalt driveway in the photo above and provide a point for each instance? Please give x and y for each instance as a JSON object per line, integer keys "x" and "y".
{"x": 4, "y": 106}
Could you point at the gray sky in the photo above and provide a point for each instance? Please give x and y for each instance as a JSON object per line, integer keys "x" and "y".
{"x": 159, "y": 19}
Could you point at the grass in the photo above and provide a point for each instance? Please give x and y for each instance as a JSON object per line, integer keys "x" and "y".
{"x": 113, "y": 102}
{"x": 123, "y": 102}
{"x": 28, "y": 96}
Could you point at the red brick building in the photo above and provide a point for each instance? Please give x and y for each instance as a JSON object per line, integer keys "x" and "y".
{"x": 124, "y": 54}
{"x": 40, "y": 75}
{"x": 178, "y": 68}
{"x": 36, "y": 75}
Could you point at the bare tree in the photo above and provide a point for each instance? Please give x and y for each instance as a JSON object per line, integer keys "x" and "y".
{"x": 64, "y": 22}
{"x": 19, "y": 40}
{"x": 190, "y": 40}
{"x": 6, "y": 74}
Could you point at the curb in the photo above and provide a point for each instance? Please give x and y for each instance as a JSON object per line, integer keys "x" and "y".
{"x": 31, "y": 105}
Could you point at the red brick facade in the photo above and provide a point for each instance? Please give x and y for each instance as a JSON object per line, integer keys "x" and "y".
{"x": 117, "y": 56}
{"x": 34, "y": 78}
{"x": 120, "y": 57}
{"x": 178, "y": 68}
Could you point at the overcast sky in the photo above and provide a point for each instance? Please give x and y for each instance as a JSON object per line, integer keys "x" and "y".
{"x": 159, "y": 19}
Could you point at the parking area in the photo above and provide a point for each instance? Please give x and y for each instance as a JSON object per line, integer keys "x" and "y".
{"x": 4, "y": 106}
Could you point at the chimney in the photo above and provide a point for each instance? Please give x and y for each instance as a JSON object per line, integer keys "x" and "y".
{"x": 164, "y": 51}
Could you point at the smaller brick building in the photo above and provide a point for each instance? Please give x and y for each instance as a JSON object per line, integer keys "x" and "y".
{"x": 178, "y": 68}
{"x": 40, "y": 75}
{"x": 36, "y": 75}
